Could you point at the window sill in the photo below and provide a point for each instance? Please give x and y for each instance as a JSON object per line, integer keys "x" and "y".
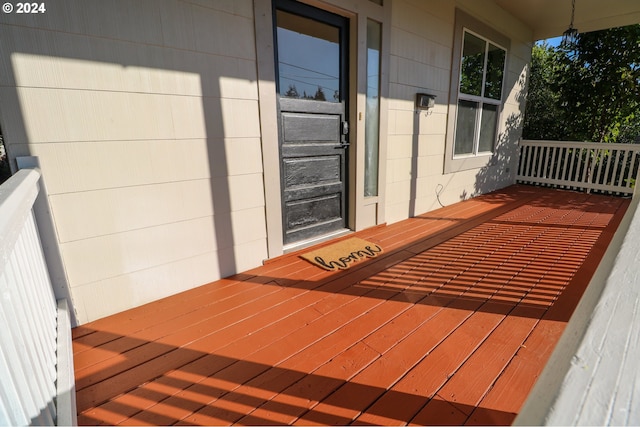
{"x": 462, "y": 163}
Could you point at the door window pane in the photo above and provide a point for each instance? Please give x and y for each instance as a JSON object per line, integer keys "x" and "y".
{"x": 488, "y": 127}
{"x": 308, "y": 58}
{"x": 372, "y": 123}
{"x": 465, "y": 127}
{"x": 472, "y": 65}
{"x": 495, "y": 72}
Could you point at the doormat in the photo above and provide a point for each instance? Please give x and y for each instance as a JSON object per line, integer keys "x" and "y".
{"x": 342, "y": 255}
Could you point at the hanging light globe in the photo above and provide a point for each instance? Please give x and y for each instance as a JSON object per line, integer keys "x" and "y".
{"x": 570, "y": 37}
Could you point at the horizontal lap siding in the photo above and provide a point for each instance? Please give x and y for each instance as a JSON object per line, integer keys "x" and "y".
{"x": 422, "y": 37}
{"x": 146, "y": 126}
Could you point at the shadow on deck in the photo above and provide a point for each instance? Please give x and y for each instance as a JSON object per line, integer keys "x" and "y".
{"x": 452, "y": 324}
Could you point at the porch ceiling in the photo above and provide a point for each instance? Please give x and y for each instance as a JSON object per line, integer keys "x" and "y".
{"x": 452, "y": 324}
{"x": 550, "y": 18}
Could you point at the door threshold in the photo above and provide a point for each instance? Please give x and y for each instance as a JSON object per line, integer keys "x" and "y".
{"x": 292, "y": 247}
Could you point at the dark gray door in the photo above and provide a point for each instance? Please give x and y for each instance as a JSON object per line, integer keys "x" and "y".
{"x": 311, "y": 59}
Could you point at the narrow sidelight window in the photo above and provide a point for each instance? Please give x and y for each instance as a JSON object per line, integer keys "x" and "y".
{"x": 372, "y": 112}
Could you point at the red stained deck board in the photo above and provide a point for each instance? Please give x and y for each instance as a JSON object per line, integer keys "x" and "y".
{"x": 189, "y": 302}
{"x": 313, "y": 388}
{"x": 464, "y": 390}
{"x": 456, "y": 217}
{"x": 511, "y": 389}
{"x": 300, "y": 358}
{"x": 131, "y": 321}
{"x": 285, "y": 324}
{"x": 426, "y": 378}
{"x": 159, "y": 326}
{"x": 501, "y": 405}
{"x": 179, "y": 357}
{"x": 119, "y": 409}
{"x": 115, "y": 365}
{"x": 321, "y": 347}
{"x": 175, "y": 301}
{"x": 168, "y": 319}
{"x": 87, "y": 372}
{"x": 97, "y": 333}
{"x": 354, "y": 397}
{"x": 331, "y": 345}
{"x": 306, "y": 349}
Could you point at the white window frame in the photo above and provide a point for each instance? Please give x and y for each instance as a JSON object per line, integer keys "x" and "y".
{"x": 477, "y": 159}
{"x": 481, "y": 100}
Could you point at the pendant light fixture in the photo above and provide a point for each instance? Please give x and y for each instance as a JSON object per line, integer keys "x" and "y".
{"x": 570, "y": 37}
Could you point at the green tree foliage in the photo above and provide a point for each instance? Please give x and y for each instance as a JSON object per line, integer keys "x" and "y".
{"x": 590, "y": 93}
{"x": 543, "y": 117}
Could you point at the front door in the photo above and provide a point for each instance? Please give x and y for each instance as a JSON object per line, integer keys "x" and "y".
{"x": 311, "y": 58}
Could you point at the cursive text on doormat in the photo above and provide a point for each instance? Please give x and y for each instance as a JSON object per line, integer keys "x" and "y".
{"x": 341, "y": 255}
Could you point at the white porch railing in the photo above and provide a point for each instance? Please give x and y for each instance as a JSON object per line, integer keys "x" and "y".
{"x": 609, "y": 168}
{"x": 36, "y": 367}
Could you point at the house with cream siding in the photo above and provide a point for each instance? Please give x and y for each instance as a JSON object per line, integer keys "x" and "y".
{"x": 183, "y": 141}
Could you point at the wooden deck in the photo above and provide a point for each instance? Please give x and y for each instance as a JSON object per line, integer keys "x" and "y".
{"x": 452, "y": 324}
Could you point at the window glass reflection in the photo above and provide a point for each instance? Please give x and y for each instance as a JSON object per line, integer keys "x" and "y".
{"x": 465, "y": 127}
{"x": 308, "y": 58}
{"x": 495, "y": 71}
{"x": 472, "y": 65}
{"x": 488, "y": 127}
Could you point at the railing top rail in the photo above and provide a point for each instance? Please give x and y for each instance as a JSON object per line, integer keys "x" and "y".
{"x": 16, "y": 199}
{"x": 578, "y": 144}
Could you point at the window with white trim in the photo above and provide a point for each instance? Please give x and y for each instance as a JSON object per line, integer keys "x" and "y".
{"x": 482, "y": 68}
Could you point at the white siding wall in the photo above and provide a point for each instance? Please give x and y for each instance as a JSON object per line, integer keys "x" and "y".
{"x": 422, "y": 36}
{"x": 144, "y": 116}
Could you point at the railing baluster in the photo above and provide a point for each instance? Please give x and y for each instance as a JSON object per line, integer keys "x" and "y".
{"x": 627, "y": 167}
{"x": 615, "y": 179}
{"x": 558, "y": 174}
{"x": 529, "y": 161}
{"x": 600, "y": 156}
{"x": 623, "y": 170}
{"x": 540, "y": 161}
{"x": 29, "y": 351}
{"x": 572, "y": 163}
{"x": 586, "y": 165}
{"x": 534, "y": 158}
{"x": 552, "y": 174}
{"x": 565, "y": 171}
{"x": 611, "y": 161}
{"x": 545, "y": 168}
{"x": 630, "y": 176}
{"x": 524, "y": 160}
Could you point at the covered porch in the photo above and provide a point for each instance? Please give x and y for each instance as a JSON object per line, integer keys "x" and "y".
{"x": 452, "y": 324}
